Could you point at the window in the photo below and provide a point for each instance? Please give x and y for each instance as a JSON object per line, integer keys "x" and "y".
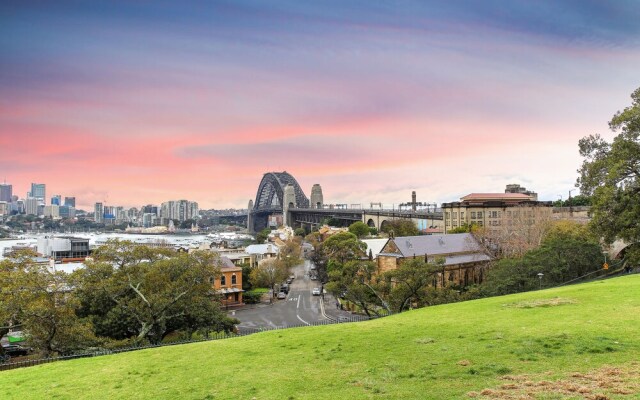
{"x": 223, "y": 280}
{"x": 455, "y": 224}
{"x": 480, "y": 223}
{"x": 455, "y": 215}
{"x": 234, "y": 279}
{"x": 448, "y": 215}
{"x": 473, "y": 215}
{"x": 493, "y": 214}
{"x": 212, "y": 279}
{"x": 461, "y": 214}
{"x": 479, "y": 214}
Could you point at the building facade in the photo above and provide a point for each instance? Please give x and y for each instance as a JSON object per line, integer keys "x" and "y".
{"x": 70, "y": 201}
{"x": 6, "y": 192}
{"x": 98, "y": 213}
{"x": 495, "y": 211}
{"x": 229, "y": 284}
{"x": 462, "y": 258}
{"x": 38, "y": 191}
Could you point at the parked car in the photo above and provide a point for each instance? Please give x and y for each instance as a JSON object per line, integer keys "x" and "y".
{"x": 314, "y": 278}
{"x": 316, "y": 291}
{"x": 289, "y": 280}
{"x": 15, "y": 350}
{"x": 292, "y": 277}
{"x": 284, "y": 288}
{"x": 282, "y": 295}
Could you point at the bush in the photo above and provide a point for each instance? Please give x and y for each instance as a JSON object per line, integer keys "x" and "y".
{"x": 254, "y": 296}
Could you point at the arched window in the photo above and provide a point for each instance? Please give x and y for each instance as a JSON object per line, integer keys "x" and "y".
{"x": 223, "y": 280}
{"x": 234, "y": 279}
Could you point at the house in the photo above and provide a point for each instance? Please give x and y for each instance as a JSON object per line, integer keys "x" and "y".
{"x": 463, "y": 259}
{"x": 229, "y": 284}
{"x": 259, "y": 252}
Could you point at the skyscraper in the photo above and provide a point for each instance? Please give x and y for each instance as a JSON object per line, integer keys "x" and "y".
{"x": 98, "y": 211}
{"x": 6, "y": 192}
{"x": 70, "y": 201}
{"x": 38, "y": 191}
{"x": 56, "y": 200}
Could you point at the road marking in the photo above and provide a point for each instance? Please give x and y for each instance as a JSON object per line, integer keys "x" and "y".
{"x": 298, "y": 306}
{"x": 293, "y": 298}
{"x": 303, "y": 321}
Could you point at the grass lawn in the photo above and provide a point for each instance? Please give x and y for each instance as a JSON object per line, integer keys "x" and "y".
{"x": 577, "y": 342}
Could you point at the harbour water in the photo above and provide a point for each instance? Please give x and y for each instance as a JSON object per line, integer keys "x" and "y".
{"x": 97, "y": 239}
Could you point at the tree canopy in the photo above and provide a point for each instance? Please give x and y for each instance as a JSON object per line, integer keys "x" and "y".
{"x": 401, "y": 227}
{"x": 359, "y": 228}
{"x": 131, "y": 290}
{"x": 610, "y": 174}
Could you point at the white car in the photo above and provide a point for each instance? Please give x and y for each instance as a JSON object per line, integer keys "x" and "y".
{"x": 316, "y": 291}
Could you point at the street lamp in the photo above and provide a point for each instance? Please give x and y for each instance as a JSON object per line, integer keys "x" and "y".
{"x": 540, "y": 275}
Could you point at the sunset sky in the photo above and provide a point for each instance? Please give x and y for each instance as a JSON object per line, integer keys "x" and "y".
{"x": 141, "y": 102}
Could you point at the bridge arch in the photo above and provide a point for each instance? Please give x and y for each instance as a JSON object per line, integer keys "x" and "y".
{"x": 371, "y": 223}
{"x": 383, "y": 225}
{"x": 271, "y": 191}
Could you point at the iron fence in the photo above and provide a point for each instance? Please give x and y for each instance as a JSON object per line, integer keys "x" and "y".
{"x": 241, "y": 331}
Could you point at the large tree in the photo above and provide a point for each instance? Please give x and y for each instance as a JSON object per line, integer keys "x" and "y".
{"x": 268, "y": 273}
{"x": 610, "y": 173}
{"x": 400, "y": 227}
{"x": 39, "y": 300}
{"x": 147, "y": 293}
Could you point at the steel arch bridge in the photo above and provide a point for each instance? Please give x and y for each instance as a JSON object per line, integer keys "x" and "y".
{"x": 269, "y": 198}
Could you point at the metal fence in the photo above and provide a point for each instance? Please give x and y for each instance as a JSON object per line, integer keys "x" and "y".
{"x": 242, "y": 331}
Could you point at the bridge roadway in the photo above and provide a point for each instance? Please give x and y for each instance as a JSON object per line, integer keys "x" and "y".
{"x": 372, "y": 217}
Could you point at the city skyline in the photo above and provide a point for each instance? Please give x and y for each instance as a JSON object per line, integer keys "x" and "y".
{"x": 130, "y": 104}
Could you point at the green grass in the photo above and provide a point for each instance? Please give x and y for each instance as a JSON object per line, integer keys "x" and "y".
{"x": 443, "y": 352}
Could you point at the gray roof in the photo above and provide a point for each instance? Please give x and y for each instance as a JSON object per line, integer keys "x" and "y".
{"x": 375, "y": 245}
{"x": 225, "y": 262}
{"x": 466, "y": 258}
{"x": 437, "y": 244}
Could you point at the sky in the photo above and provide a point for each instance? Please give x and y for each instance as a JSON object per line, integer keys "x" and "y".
{"x": 140, "y": 102}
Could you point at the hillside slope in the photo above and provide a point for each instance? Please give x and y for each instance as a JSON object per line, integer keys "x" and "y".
{"x": 575, "y": 341}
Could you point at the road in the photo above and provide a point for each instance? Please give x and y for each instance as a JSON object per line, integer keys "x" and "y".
{"x": 299, "y": 308}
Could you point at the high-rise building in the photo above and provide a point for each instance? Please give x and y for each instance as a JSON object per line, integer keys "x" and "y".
{"x": 70, "y": 201}
{"x": 67, "y": 212}
{"x": 31, "y": 206}
{"x": 181, "y": 210}
{"x": 38, "y": 191}
{"x": 98, "y": 213}
{"x": 56, "y": 200}
{"x": 6, "y": 192}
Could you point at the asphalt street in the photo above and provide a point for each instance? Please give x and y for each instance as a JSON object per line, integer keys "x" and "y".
{"x": 299, "y": 308}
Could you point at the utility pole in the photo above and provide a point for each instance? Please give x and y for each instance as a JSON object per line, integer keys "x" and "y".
{"x": 570, "y": 206}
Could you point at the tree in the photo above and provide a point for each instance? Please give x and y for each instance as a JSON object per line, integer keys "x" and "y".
{"x": 268, "y": 273}
{"x": 359, "y": 228}
{"x": 401, "y": 227}
{"x": 464, "y": 228}
{"x": 262, "y": 236}
{"x": 343, "y": 246}
{"x": 40, "y": 300}
{"x": 355, "y": 281}
{"x": 409, "y": 282}
{"x": 291, "y": 253}
{"x": 610, "y": 174}
{"x": 151, "y": 289}
{"x": 568, "y": 252}
{"x": 300, "y": 232}
{"x": 519, "y": 229}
